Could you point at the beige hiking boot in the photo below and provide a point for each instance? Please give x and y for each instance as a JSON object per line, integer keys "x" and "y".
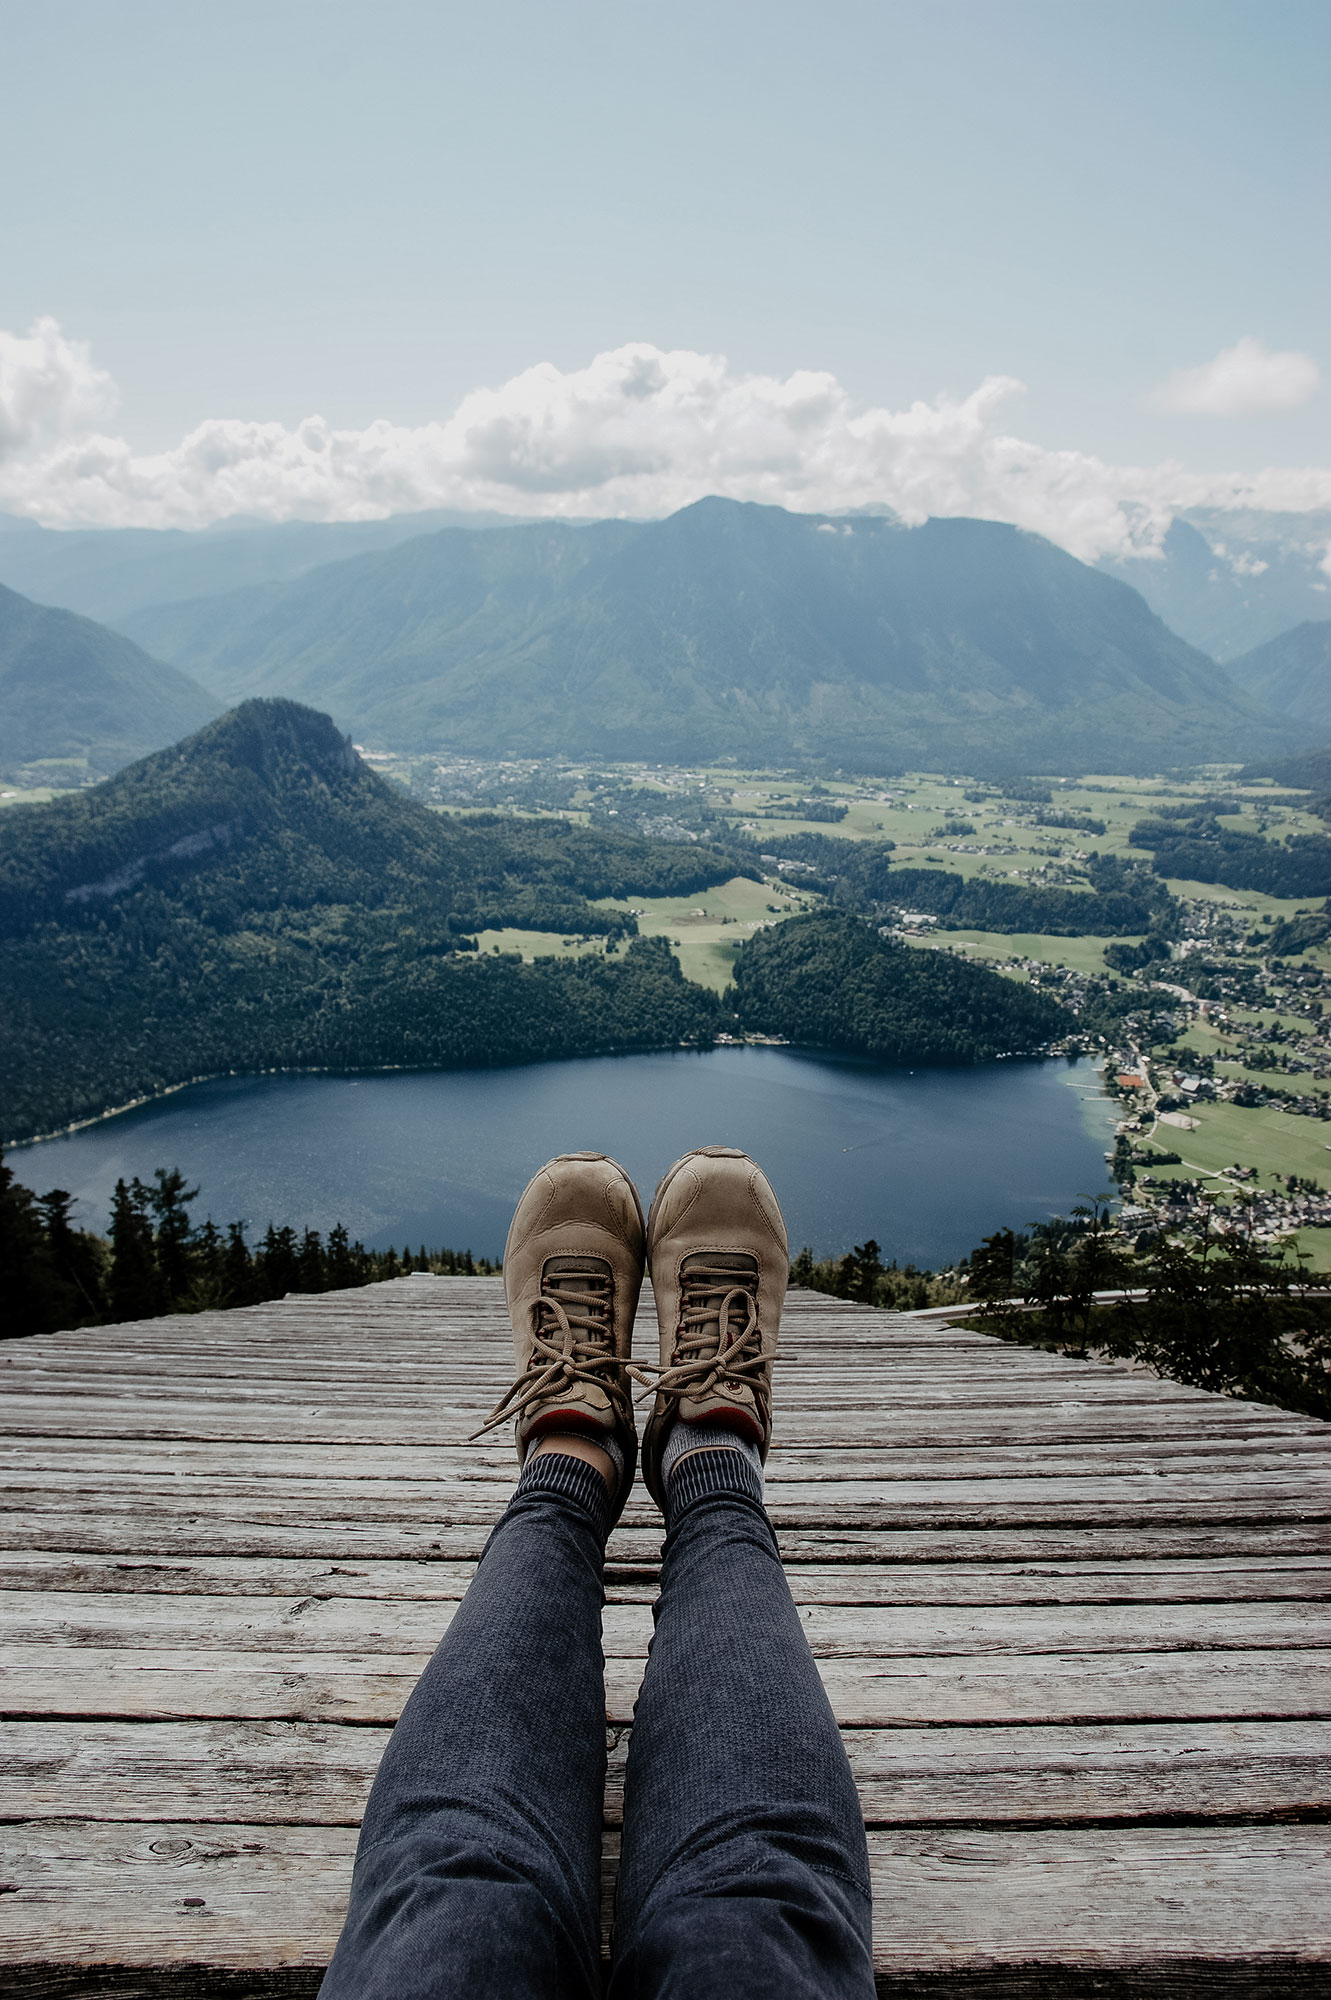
{"x": 716, "y": 1245}
{"x": 573, "y": 1267}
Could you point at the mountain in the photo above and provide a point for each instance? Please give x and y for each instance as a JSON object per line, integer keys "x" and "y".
{"x": 73, "y": 693}
{"x": 730, "y": 631}
{"x": 1292, "y": 675}
{"x": 1228, "y": 582}
{"x": 255, "y": 898}
{"x": 107, "y": 572}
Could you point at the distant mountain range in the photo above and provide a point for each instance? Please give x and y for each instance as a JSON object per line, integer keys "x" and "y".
{"x": 729, "y": 631}
{"x": 1292, "y": 674}
{"x": 108, "y": 572}
{"x": 1229, "y": 582}
{"x": 82, "y": 699}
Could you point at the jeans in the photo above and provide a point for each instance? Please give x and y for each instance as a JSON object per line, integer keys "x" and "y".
{"x": 744, "y": 1870}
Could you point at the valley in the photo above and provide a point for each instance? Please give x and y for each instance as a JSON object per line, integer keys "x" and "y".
{"x": 1222, "y": 992}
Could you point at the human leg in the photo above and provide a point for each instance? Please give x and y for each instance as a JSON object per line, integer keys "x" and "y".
{"x": 478, "y": 1865}
{"x": 478, "y": 1868}
{"x": 745, "y": 1867}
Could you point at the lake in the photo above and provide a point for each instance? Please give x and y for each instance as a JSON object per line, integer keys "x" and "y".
{"x": 927, "y": 1161}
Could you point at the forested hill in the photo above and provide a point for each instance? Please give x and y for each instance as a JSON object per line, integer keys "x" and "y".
{"x": 730, "y": 630}
{"x": 270, "y": 807}
{"x": 830, "y": 980}
{"x": 256, "y": 897}
{"x": 73, "y": 693}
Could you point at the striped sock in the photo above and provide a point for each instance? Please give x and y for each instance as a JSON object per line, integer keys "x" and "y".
{"x": 707, "y": 1437}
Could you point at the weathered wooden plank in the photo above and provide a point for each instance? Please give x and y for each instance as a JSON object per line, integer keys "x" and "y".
{"x": 1219, "y": 1580}
{"x": 1128, "y": 1899}
{"x": 81, "y": 1619}
{"x": 171, "y": 1534}
{"x": 791, "y": 1462}
{"x": 31, "y": 1418}
{"x": 289, "y": 1773}
{"x": 1228, "y": 1495}
{"x": 945, "y": 1903}
{"x": 175, "y": 1682}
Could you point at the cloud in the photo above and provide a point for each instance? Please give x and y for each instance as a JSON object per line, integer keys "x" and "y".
{"x": 637, "y": 432}
{"x": 49, "y": 389}
{"x": 1245, "y": 380}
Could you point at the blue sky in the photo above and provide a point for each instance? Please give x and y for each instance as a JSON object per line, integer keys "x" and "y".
{"x": 257, "y": 212}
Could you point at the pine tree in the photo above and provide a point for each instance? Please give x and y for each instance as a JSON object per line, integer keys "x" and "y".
{"x": 135, "y": 1289}
{"x": 342, "y": 1262}
{"x": 278, "y": 1268}
{"x": 237, "y": 1267}
{"x": 170, "y": 1201}
{"x": 26, "y": 1306}
{"x": 208, "y": 1268}
{"x": 73, "y": 1263}
{"x": 311, "y": 1270}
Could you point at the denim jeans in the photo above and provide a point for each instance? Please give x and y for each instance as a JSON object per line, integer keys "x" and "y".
{"x": 744, "y": 1870}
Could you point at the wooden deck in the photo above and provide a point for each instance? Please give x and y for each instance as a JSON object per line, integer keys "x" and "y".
{"x": 1074, "y": 1622}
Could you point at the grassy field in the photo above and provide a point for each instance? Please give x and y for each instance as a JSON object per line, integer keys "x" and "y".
{"x": 1079, "y": 954}
{"x": 14, "y": 795}
{"x": 703, "y": 928}
{"x": 1273, "y": 1141}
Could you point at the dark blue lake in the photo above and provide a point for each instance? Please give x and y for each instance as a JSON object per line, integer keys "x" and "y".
{"x": 927, "y": 1161}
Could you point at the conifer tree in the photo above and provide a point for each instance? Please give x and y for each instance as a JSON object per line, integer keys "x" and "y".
{"x": 135, "y": 1288}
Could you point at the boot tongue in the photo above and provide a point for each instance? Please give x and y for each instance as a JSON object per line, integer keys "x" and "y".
{"x": 570, "y": 1274}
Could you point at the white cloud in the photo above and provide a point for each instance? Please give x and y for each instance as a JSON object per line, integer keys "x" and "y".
{"x": 1245, "y": 380}
{"x": 49, "y": 389}
{"x": 638, "y": 432}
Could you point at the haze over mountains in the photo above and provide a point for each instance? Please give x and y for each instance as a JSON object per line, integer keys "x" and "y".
{"x": 1231, "y": 582}
{"x": 1292, "y": 674}
{"x": 728, "y": 630}
{"x": 1226, "y": 582}
{"x": 107, "y": 572}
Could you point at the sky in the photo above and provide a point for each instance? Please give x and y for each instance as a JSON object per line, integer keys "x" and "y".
{"x": 1056, "y": 261}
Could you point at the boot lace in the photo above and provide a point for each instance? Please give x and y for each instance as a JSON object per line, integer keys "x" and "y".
{"x": 718, "y": 1338}
{"x": 572, "y": 1341}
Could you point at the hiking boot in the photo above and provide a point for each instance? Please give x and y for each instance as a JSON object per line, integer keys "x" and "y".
{"x": 716, "y": 1245}
{"x": 572, "y": 1273}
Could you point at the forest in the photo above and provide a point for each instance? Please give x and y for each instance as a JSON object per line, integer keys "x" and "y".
{"x": 1194, "y": 847}
{"x": 831, "y": 981}
{"x": 256, "y": 898}
{"x": 157, "y": 1259}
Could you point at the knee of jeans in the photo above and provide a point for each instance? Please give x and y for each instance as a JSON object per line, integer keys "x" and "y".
{"x": 757, "y": 1922}
{"x": 459, "y": 1904}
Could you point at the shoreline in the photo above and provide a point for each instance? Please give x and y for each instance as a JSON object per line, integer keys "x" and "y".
{"x": 391, "y": 1069}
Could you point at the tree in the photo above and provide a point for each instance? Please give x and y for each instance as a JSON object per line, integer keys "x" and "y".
{"x": 170, "y": 1202}
{"x": 21, "y": 1256}
{"x": 74, "y": 1263}
{"x": 310, "y": 1269}
{"x": 344, "y": 1267}
{"x": 278, "y": 1267}
{"x": 237, "y": 1267}
{"x": 135, "y": 1289}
